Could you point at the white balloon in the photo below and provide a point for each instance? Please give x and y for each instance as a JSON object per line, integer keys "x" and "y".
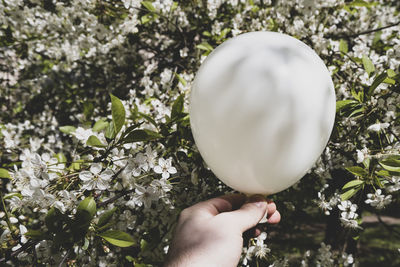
{"x": 262, "y": 108}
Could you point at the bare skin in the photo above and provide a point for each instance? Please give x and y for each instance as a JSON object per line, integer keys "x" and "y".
{"x": 210, "y": 233}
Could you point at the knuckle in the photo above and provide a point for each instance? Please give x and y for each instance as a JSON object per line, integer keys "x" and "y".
{"x": 185, "y": 214}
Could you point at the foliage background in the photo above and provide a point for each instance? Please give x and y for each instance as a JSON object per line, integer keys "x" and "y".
{"x": 97, "y": 158}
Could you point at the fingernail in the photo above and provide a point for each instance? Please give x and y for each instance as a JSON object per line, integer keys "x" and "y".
{"x": 260, "y": 204}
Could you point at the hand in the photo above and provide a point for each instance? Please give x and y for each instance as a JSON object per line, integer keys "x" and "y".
{"x": 210, "y": 233}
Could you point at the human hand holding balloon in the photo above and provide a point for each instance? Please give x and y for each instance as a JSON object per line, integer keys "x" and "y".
{"x": 262, "y": 108}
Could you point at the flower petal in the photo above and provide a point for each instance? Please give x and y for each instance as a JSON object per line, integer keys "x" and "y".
{"x": 165, "y": 175}
{"x": 157, "y": 169}
{"x": 106, "y": 175}
{"x": 172, "y": 170}
{"x": 96, "y": 168}
{"x": 85, "y": 176}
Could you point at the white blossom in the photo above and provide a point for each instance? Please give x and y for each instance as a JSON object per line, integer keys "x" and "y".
{"x": 95, "y": 178}
{"x": 395, "y": 184}
{"x": 83, "y": 134}
{"x": 377, "y": 127}
{"x": 348, "y": 214}
{"x": 165, "y": 168}
{"x": 378, "y": 200}
{"x": 145, "y": 196}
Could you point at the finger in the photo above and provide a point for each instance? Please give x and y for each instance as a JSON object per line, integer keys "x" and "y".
{"x": 271, "y": 209}
{"x": 249, "y": 214}
{"x": 236, "y": 200}
{"x": 275, "y": 218}
{"x": 257, "y": 232}
{"x": 220, "y": 204}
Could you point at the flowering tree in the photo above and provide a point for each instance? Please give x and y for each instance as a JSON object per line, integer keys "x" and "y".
{"x": 97, "y": 157}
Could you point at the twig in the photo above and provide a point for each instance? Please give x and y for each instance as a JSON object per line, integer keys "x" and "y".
{"x": 375, "y": 30}
{"x": 104, "y": 203}
{"x": 344, "y": 35}
{"x": 22, "y": 248}
{"x": 7, "y": 216}
{"x": 64, "y": 258}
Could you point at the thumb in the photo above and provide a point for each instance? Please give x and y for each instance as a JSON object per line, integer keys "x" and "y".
{"x": 250, "y": 214}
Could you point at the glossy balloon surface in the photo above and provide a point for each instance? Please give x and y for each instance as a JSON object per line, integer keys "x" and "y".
{"x": 262, "y": 108}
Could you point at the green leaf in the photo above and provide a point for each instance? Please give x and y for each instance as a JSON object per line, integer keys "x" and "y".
{"x": 356, "y": 170}
{"x": 368, "y": 65}
{"x": 37, "y": 235}
{"x": 174, "y": 6}
{"x": 207, "y": 33}
{"x": 141, "y": 135}
{"x": 84, "y": 215}
{"x": 61, "y": 158}
{"x": 391, "y": 164}
{"x": 361, "y": 3}
{"x": 391, "y": 73}
{"x": 356, "y": 112}
{"x": 94, "y": 141}
{"x": 349, "y": 193}
{"x": 353, "y": 183}
{"x": 88, "y": 109}
{"x": 224, "y": 32}
{"x": 118, "y": 238}
{"x": 105, "y": 227}
{"x": 4, "y": 173}
{"x": 378, "y": 182}
{"x": 344, "y": 103}
{"x": 366, "y": 162}
{"x": 87, "y": 205}
{"x": 377, "y": 81}
{"x": 383, "y": 173}
{"x": 146, "y": 18}
{"x": 118, "y": 113}
{"x": 148, "y": 118}
{"x": 76, "y": 165}
{"x": 205, "y": 46}
{"x": 377, "y": 37}
{"x": 130, "y": 129}
{"x": 11, "y": 195}
{"x": 67, "y": 129}
{"x": 343, "y": 47}
{"x": 149, "y": 6}
{"x": 85, "y": 244}
{"x": 143, "y": 244}
{"x": 54, "y": 220}
{"x": 110, "y": 132}
{"x": 130, "y": 259}
{"x": 100, "y": 125}
{"x": 389, "y": 81}
{"x": 177, "y": 107}
{"x": 106, "y": 217}
{"x": 181, "y": 80}
{"x": 355, "y": 94}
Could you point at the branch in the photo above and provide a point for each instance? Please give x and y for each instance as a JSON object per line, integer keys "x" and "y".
{"x": 375, "y": 30}
{"x": 344, "y": 35}
{"x": 64, "y": 258}
{"x": 121, "y": 194}
{"x": 24, "y": 247}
